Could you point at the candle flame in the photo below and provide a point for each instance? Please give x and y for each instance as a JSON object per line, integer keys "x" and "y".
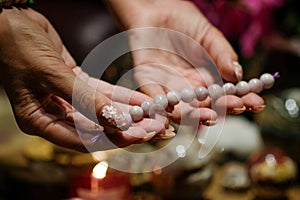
{"x": 99, "y": 171}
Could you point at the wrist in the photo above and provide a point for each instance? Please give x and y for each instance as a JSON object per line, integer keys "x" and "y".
{"x": 128, "y": 13}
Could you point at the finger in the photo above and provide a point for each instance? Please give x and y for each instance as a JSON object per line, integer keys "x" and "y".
{"x": 152, "y": 89}
{"x": 140, "y": 132}
{"x": 230, "y": 103}
{"x": 127, "y": 96}
{"x": 54, "y": 107}
{"x": 188, "y": 115}
{"x": 222, "y": 53}
{"x": 253, "y": 102}
{"x": 60, "y": 133}
{"x": 115, "y": 93}
{"x": 82, "y": 123}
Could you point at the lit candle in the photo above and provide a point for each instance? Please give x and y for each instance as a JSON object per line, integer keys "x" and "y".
{"x": 106, "y": 184}
{"x": 99, "y": 173}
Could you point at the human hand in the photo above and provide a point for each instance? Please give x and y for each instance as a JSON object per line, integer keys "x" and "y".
{"x": 39, "y": 76}
{"x": 157, "y": 71}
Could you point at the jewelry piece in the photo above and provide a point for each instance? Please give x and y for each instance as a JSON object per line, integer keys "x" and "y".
{"x": 267, "y": 80}
{"x": 136, "y": 113}
{"x": 256, "y": 85}
{"x": 229, "y": 88}
{"x": 7, "y": 3}
{"x": 173, "y": 98}
{"x": 201, "y": 93}
{"x": 146, "y": 105}
{"x": 187, "y": 95}
{"x": 97, "y": 126}
{"x": 16, "y": 2}
{"x": 162, "y": 100}
{"x": 115, "y": 119}
{"x": 242, "y": 88}
{"x": 215, "y": 91}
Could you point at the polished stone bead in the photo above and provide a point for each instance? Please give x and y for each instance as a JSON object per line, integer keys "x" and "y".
{"x": 187, "y": 95}
{"x": 215, "y": 91}
{"x": 157, "y": 109}
{"x": 229, "y": 88}
{"x": 242, "y": 88}
{"x": 201, "y": 93}
{"x": 173, "y": 98}
{"x": 267, "y": 80}
{"x": 161, "y": 100}
{"x": 256, "y": 85}
{"x": 146, "y": 105}
{"x": 136, "y": 113}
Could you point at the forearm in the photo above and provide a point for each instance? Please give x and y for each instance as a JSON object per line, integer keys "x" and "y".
{"x": 120, "y": 10}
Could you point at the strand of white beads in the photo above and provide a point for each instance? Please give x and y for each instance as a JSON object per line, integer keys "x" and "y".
{"x": 214, "y": 91}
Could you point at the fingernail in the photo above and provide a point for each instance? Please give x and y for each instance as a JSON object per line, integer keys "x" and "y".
{"x": 238, "y": 110}
{"x": 149, "y": 136}
{"x": 167, "y": 135}
{"x": 171, "y": 128}
{"x": 258, "y": 108}
{"x": 209, "y": 122}
{"x": 112, "y": 118}
{"x": 238, "y": 70}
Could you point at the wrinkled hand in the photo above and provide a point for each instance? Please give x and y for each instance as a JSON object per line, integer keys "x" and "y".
{"x": 157, "y": 71}
{"x": 39, "y": 74}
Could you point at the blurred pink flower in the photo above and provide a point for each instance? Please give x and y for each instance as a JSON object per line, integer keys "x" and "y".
{"x": 244, "y": 21}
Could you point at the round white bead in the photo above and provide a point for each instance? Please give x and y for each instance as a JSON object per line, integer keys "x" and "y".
{"x": 146, "y": 105}
{"x": 267, "y": 80}
{"x": 157, "y": 109}
{"x": 229, "y": 88}
{"x": 187, "y": 95}
{"x": 242, "y": 88}
{"x": 173, "y": 97}
{"x": 136, "y": 113}
{"x": 201, "y": 93}
{"x": 215, "y": 91}
{"x": 256, "y": 85}
{"x": 161, "y": 100}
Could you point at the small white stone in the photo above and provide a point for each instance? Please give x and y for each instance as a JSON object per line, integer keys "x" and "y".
{"x": 267, "y": 80}
{"x": 201, "y": 93}
{"x": 136, "y": 113}
{"x": 242, "y": 88}
{"x": 256, "y": 85}
{"x": 173, "y": 98}
{"x": 161, "y": 100}
{"x": 146, "y": 105}
{"x": 157, "y": 109}
{"x": 229, "y": 88}
{"x": 215, "y": 91}
{"x": 187, "y": 95}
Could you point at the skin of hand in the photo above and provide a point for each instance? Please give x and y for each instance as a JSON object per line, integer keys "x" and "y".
{"x": 38, "y": 75}
{"x": 157, "y": 71}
